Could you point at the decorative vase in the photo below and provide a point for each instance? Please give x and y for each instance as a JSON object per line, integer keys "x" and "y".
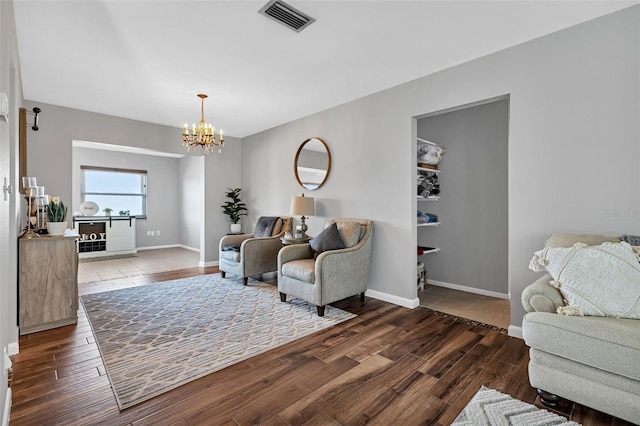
{"x": 56, "y": 228}
{"x": 236, "y": 228}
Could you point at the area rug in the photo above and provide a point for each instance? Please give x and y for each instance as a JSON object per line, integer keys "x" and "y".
{"x": 492, "y": 408}
{"x": 154, "y": 338}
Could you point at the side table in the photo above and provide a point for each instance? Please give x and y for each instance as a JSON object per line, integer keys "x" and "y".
{"x": 290, "y": 241}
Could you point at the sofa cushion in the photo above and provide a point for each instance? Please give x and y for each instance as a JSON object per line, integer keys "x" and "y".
{"x": 599, "y": 280}
{"x": 610, "y": 344}
{"x": 328, "y": 239}
{"x": 230, "y": 255}
{"x": 301, "y": 269}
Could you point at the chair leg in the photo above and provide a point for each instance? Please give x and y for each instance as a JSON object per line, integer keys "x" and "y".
{"x": 362, "y": 297}
{"x": 245, "y": 280}
{"x": 283, "y": 297}
{"x": 223, "y": 274}
{"x": 548, "y": 399}
{"x": 320, "y": 310}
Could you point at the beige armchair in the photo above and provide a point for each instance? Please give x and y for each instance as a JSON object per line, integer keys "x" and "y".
{"x": 247, "y": 256}
{"x": 334, "y": 274}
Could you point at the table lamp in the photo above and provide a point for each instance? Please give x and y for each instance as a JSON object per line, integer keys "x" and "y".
{"x": 303, "y": 206}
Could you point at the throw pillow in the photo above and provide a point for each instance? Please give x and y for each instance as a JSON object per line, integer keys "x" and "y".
{"x": 349, "y": 232}
{"x": 601, "y": 280}
{"x": 328, "y": 239}
{"x": 277, "y": 227}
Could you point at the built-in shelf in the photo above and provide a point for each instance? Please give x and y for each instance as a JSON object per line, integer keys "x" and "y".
{"x": 427, "y": 173}
{"x": 425, "y": 169}
{"x": 429, "y": 224}
{"x": 426, "y": 141}
{"x": 435, "y": 250}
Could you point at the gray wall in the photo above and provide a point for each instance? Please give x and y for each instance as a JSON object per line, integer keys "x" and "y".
{"x": 163, "y": 191}
{"x": 473, "y": 207}
{"x": 50, "y": 159}
{"x": 191, "y": 201}
{"x": 572, "y": 121}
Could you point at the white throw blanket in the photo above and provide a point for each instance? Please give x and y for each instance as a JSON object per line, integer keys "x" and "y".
{"x": 599, "y": 280}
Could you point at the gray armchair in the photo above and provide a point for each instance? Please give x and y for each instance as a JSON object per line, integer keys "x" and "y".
{"x": 333, "y": 275}
{"x": 247, "y": 256}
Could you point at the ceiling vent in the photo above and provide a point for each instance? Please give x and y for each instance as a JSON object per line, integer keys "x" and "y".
{"x": 288, "y": 16}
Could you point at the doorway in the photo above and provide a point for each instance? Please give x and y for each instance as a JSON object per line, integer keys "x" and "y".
{"x": 468, "y": 277}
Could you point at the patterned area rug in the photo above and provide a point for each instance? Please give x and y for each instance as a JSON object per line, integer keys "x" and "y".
{"x": 154, "y": 338}
{"x": 492, "y": 408}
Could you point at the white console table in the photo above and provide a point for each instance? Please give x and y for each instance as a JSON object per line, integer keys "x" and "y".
{"x": 105, "y": 235}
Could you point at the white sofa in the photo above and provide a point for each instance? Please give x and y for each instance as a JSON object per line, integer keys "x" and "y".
{"x": 594, "y": 361}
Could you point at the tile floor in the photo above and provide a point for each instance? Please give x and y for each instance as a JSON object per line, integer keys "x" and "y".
{"x": 476, "y": 307}
{"x": 489, "y": 310}
{"x": 143, "y": 262}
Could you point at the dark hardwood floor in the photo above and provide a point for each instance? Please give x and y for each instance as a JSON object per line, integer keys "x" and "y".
{"x": 388, "y": 366}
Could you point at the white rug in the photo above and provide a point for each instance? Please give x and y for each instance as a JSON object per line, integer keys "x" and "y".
{"x": 492, "y": 408}
{"x": 154, "y": 338}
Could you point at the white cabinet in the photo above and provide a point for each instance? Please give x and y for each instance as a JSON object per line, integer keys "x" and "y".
{"x": 121, "y": 235}
{"x": 105, "y": 235}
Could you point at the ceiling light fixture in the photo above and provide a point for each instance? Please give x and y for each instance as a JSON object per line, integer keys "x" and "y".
{"x": 204, "y": 135}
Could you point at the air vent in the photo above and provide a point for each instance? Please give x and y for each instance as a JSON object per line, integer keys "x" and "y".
{"x": 288, "y": 16}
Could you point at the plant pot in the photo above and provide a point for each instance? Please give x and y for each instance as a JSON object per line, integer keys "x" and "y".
{"x": 236, "y": 228}
{"x": 56, "y": 228}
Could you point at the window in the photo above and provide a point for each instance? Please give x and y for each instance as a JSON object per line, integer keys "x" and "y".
{"x": 117, "y": 189}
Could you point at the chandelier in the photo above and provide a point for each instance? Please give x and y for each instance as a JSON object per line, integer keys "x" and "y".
{"x": 202, "y": 136}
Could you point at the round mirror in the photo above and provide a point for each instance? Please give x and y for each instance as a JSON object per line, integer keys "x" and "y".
{"x": 312, "y": 163}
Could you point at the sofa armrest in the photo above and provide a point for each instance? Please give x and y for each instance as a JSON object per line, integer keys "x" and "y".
{"x": 541, "y": 297}
{"x": 255, "y": 247}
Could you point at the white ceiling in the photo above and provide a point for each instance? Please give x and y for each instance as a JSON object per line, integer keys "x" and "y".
{"x": 147, "y": 60}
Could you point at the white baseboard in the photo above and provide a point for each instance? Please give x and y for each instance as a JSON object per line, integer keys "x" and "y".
{"x": 515, "y": 331}
{"x": 207, "y": 264}
{"x": 13, "y": 348}
{"x": 189, "y": 248}
{"x": 468, "y": 289}
{"x": 7, "y": 408}
{"x": 396, "y": 300}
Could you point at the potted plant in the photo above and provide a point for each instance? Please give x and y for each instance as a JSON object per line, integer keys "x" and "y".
{"x": 107, "y": 211}
{"x": 234, "y": 209}
{"x": 56, "y": 216}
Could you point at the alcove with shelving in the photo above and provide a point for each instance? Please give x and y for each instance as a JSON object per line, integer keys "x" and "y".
{"x": 469, "y": 240}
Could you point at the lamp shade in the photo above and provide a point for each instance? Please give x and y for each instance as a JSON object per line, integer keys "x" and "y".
{"x": 302, "y": 206}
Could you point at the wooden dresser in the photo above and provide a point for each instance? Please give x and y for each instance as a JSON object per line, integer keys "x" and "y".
{"x": 47, "y": 282}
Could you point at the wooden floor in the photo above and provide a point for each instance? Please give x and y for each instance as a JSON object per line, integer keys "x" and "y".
{"x": 390, "y": 365}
